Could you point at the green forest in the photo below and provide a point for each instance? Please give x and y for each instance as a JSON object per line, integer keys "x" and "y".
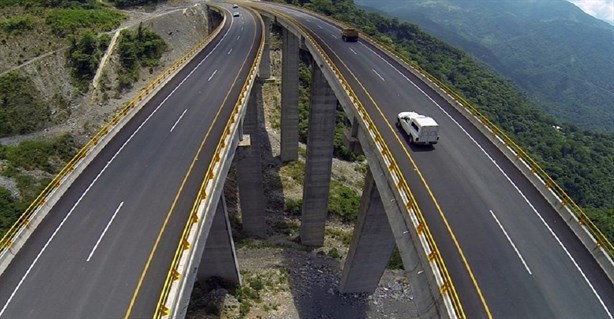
{"x": 561, "y": 56}
{"x": 579, "y": 161}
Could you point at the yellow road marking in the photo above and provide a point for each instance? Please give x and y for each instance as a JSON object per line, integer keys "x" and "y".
{"x": 456, "y": 243}
{"x": 171, "y": 210}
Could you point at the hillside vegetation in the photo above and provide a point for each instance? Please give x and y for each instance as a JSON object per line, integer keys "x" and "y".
{"x": 560, "y": 55}
{"x": 580, "y": 161}
{"x": 74, "y": 33}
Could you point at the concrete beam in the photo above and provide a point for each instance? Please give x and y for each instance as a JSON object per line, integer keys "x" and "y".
{"x": 219, "y": 258}
{"x": 322, "y": 115}
{"x": 249, "y": 171}
{"x": 264, "y": 71}
{"x": 289, "y": 97}
{"x": 427, "y": 298}
{"x": 372, "y": 244}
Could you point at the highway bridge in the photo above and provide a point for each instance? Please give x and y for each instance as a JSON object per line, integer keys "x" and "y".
{"x": 477, "y": 237}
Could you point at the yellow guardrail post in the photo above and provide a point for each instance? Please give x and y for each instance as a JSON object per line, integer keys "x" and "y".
{"x": 411, "y": 205}
{"x": 8, "y": 239}
{"x": 163, "y": 309}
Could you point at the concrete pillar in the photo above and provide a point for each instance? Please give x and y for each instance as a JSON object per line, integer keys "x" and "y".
{"x": 426, "y": 297}
{"x": 289, "y": 97}
{"x": 322, "y": 115}
{"x": 351, "y": 138}
{"x": 249, "y": 171}
{"x": 264, "y": 72}
{"x": 219, "y": 258}
{"x": 372, "y": 244}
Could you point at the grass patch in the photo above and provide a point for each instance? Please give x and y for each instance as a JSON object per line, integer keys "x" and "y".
{"x": 18, "y": 24}
{"x": 22, "y": 161}
{"x": 395, "y": 260}
{"x": 342, "y": 235}
{"x": 39, "y": 155}
{"x": 254, "y": 286}
{"x": 343, "y": 202}
{"x": 10, "y": 209}
{"x": 70, "y": 21}
{"x": 287, "y": 227}
{"x": 294, "y": 172}
{"x": 21, "y": 108}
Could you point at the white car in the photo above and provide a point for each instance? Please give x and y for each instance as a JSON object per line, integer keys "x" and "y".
{"x": 235, "y": 5}
{"x": 235, "y": 13}
{"x": 421, "y": 129}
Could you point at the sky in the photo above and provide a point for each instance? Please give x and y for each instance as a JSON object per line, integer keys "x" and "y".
{"x": 600, "y": 9}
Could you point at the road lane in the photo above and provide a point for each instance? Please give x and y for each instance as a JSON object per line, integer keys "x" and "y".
{"x": 146, "y": 165}
{"x": 467, "y": 180}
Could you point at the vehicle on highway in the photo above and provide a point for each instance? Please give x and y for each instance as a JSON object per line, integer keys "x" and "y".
{"x": 235, "y": 13}
{"x": 235, "y": 5}
{"x": 349, "y": 35}
{"x": 421, "y": 129}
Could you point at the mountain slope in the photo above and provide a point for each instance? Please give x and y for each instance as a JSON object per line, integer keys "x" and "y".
{"x": 561, "y": 56}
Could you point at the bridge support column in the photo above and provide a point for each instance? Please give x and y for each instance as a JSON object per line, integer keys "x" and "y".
{"x": 408, "y": 242}
{"x": 264, "y": 72}
{"x": 372, "y": 244}
{"x": 289, "y": 97}
{"x": 322, "y": 117}
{"x": 249, "y": 172}
{"x": 219, "y": 258}
{"x": 351, "y": 138}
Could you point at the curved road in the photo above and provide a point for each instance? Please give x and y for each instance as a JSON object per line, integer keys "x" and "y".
{"x": 105, "y": 249}
{"x": 508, "y": 252}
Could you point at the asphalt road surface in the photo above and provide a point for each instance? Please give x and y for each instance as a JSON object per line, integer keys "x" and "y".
{"x": 508, "y": 252}
{"x": 105, "y": 249}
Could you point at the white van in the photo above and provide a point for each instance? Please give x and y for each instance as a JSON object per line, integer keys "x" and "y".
{"x": 420, "y": 129}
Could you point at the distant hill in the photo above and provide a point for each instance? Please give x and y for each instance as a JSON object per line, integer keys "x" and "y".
{"x": 562, "y": 57}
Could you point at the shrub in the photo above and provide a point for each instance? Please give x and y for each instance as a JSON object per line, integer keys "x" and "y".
{"x": 17, "y": 24}
{"x": 84, "y": 56}
{"x": 10, "y": 209}
{"x": 343, "y": 201}
{"x": 140, "y": 48}
{"x": 71, "y": 21}
{"x": 293, "y": 206}
{"x": 395, "y": 260}
{"x": 21, "y": 109}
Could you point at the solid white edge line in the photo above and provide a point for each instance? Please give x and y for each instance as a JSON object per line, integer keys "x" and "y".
{"x": 511, "y": 242}
{"x": 104, "y": 231}
{"x": 507, "y": 177}
{"x": 23, "y": 278}
{"x": 179, "y": 119}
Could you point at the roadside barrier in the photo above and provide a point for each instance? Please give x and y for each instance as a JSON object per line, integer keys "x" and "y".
{"x": 575, "y": 217}
{"x": 180, "y": 266}
{"x": 20, "y": 231}
{"x": 438, "y": 268}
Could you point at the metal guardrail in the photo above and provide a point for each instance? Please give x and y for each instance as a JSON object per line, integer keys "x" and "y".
{"x": 583, "y": 219}
{"x": 566, "y": 200}
{"x": 600, "y": 238}
{"x": 444, "y": 281}
{"x": 26, "y": 217}
{"x": 174, "y": 275}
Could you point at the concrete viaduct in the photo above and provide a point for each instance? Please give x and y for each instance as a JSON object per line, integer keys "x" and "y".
{"x": 382, "y": 222}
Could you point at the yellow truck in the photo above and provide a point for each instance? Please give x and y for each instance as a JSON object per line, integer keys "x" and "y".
{"x": 349, "y": 34}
